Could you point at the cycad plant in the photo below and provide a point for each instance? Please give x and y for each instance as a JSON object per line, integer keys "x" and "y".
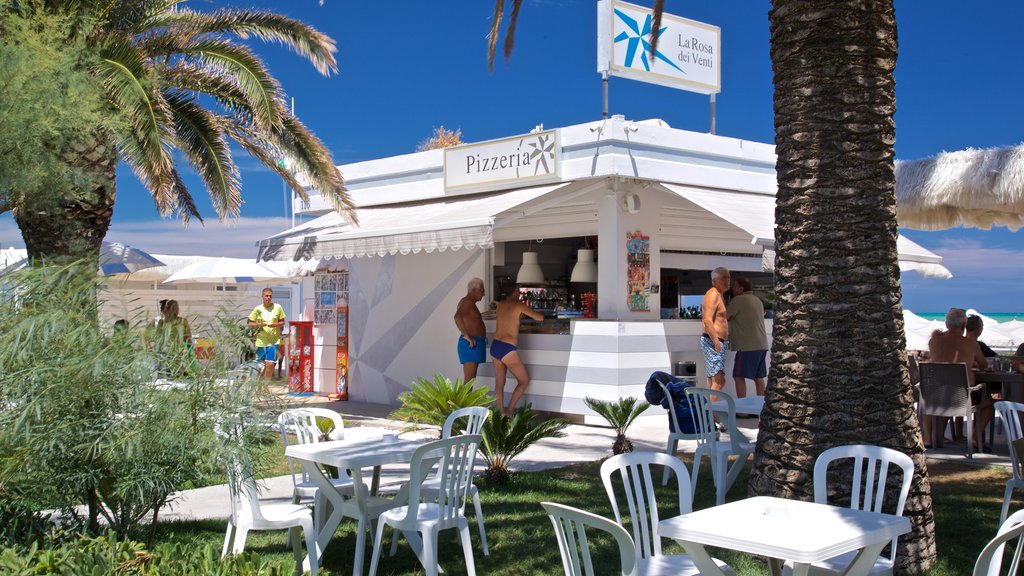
{"x": 505, "y": 437}
{"x": 620, "y": 415}
{"x": 430, "y": 402}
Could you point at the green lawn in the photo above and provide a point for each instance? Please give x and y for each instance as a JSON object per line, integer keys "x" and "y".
{"x": 966, "y": 501}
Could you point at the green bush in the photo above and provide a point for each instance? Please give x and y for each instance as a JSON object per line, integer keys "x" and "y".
{"x": 83, "y": 428}
{"x": 619, "y": 415}
{"x": 505, "y": 437}
{"x": 431, "y": 401}
{"x": 109, "y": 555}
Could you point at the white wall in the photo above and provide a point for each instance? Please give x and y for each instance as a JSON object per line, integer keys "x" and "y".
{"x": 400, "y": 320}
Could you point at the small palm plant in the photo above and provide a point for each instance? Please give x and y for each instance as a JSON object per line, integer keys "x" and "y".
{"x": 505, "y": 437}
{"x": 429, "y": 402}
{"x": 620, "y": 415}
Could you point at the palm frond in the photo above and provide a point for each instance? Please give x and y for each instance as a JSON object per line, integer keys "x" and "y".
{"x": 180, "y": 201}
{"x": 189, "y": 77}
{"x": 269, "y": 155}
{"x": 492, "y": 36}
{"x": 300, "y": 37}
{"x": 247, "y": 71}
{"x": 199, "y": 135}
{"x": 505, "y": 437}
{"x": 659, "y": 9}
{"x": 314, "y": 161}
{"x": 621, "y": 414}
{"x": 510, "y": 32}
{"x": 431, "y": 401}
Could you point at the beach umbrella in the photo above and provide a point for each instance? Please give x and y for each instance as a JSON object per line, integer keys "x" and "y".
{"x": 971, "y": 188}
{"x": 224, "y": 271}
{"x": 918, "y": 330}
{"x": 117, "y": 258}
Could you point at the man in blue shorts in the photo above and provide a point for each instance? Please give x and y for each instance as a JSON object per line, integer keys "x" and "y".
{"x": 748, "y": 337}
{"x": 714, "y": 341}
{"x": 472, "y": 340}
{"x": 267, "y": 319}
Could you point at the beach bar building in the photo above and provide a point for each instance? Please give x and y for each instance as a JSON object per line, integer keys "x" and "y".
{"x": 653, "y": 209}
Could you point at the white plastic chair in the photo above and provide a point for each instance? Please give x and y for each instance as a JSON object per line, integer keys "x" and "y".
{"x": 248, "y": 514}
{"x": 474, "y": 416}
{"x": 709, "y": 442}
{"x": 946, "y": 392}
{"x": 570, "y": 531}
{"x": 301, "y": 423}
{"x": 871, "y": 466}
{"x": 634, "y": 469}
{"x": 457, "y": 458}
{"x": 1008, "y": 413}
{"x": 672, "y": 446}
{"x": 990, "y": 561}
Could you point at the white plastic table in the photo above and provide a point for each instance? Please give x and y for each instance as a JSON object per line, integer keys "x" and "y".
{"x": 354, "y": 457}
{"x": 745, "y": 405}
{"x": 803, "y": 532}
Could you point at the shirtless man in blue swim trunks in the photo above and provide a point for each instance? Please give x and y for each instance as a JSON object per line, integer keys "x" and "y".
{"x": 504, "y": 353}
{"x": 472, "y": 340}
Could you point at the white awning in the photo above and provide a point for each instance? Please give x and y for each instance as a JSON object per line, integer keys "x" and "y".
{"x": 755, "y": 214}
{"x": 441, "y": 224}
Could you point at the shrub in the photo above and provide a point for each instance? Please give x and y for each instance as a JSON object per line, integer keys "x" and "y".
{"x": 431, "y": 401}
{"x": 619, "y": 415}
{"x": 505, "y": 437}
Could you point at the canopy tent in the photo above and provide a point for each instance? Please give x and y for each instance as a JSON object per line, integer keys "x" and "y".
{"x": 973, "y": 188}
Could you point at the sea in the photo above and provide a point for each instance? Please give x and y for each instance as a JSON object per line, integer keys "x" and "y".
{"x": 997, "y": 316}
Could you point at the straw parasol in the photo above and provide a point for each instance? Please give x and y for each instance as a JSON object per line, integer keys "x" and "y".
{"x": 971, "y": 188}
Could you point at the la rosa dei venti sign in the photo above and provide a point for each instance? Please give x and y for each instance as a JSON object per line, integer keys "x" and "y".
{"x": 504, "y": 163}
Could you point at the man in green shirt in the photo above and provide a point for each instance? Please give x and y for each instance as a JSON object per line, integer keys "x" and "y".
{"x": 748, "y": 337}
{"x": 267, "y": 319}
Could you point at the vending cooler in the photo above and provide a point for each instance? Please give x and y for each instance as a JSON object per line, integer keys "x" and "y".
{"x": 300, "y": 357}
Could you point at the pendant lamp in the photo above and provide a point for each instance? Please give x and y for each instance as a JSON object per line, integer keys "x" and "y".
{"x": 530, "y": 272}
{"x": 585, "y": 269}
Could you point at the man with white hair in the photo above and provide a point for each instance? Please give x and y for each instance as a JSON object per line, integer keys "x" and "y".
{"x": 714, "y": 341}
{"x": 953, "y": 346}
{"x": 472, "y": 340}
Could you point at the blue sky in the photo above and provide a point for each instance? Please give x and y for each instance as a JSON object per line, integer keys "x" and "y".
{"x": 409, "y": 66}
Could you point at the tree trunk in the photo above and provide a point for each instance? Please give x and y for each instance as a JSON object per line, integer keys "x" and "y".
{"x": 838, "y": 355}
{"x": 68, "y": 221}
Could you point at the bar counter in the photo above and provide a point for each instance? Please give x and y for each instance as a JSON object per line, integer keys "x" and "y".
{"x": 569, "y": 360}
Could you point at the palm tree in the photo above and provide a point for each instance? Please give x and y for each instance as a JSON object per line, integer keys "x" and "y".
{"x": 838, "y": 374}
{"x": 173, "y": 79}
{"x": 505, "y": 437}
{"x": 620, "y": 415}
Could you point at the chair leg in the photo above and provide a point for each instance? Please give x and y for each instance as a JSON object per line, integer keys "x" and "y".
{"x": 229, "y": 539}
{"x": 394, "y": 541}
{"x": 312, "y": 562}
{"x": 467, "y": 547}
{"x": 670, "y": 449}
{"x": 719, "y": 475}
{"x": 430, "y": 552}
{"x": 240, "y": 535}
{"x": 376, "y": 545}
{"x": 357, "y": 562}
{"x": 480, "y": 519}
{"x": 1007, "y": 495}
{"x": 296, "y": 541}
{"x": 698, "y": 455}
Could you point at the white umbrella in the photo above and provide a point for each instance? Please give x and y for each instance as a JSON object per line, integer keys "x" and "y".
{"x": 117, "y": 258}
{"x": 918, "y": 330}
{"x": 971, "y": 188}
{"x": 224, "y": 271}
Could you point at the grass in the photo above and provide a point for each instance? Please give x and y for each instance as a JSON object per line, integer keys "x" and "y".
{"x": 966, "y": 501}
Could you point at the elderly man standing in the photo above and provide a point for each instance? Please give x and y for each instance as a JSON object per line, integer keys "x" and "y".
{"x": 748, "y": 337}
{"x": 714, "y": 341}
{"x": 472, "y": 345}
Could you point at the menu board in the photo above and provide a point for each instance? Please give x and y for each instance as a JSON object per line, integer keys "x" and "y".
{"x": 331, "y": 294}
{"x": 638, "y": 269}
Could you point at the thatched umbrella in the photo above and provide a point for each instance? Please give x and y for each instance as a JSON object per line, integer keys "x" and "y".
{"x": 970, "y": 188}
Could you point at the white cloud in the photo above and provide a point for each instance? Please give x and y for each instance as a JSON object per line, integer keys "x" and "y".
{"x": 235, "y": 238}
{"x": 968, "y": 258}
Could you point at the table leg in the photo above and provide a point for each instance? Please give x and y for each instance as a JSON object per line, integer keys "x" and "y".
{"x": 865, "y": 560}
{"x": 701, "y": 559}
{"x": 775, "y": 566}
{"x": 329, "y": 495}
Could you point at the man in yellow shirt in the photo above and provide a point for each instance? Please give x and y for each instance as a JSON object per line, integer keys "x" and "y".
{"x": 267, "y": 319}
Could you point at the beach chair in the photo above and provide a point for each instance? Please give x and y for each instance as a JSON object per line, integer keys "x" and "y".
{"x": 990, "y": 561}
{"x": 709, "y": 442}
{"x": 946, "y": 393}
{"x": 1009, "y": 413}
{"x": 571, "y": 534}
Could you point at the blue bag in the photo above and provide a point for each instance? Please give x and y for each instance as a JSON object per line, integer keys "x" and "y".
{"x": 685, "y": 413}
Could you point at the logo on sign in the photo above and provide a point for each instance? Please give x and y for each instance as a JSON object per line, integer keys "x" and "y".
{"x": 499, "y": 163}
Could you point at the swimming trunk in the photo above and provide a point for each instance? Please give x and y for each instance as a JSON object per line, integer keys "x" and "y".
{"x": 750, "y": 364}
{"x": 266, "y": 353}
{"x": 476, "y": 354}
{"x": 714, "y": 362}
{"x": 501, "y": 349}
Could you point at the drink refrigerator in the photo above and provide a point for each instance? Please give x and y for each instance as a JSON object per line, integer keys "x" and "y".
{"x": 300, "y": 357}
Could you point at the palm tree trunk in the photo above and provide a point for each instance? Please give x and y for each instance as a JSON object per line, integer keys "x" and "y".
{"x": 838, "y": 354}
{"x": 68, "y": 219}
